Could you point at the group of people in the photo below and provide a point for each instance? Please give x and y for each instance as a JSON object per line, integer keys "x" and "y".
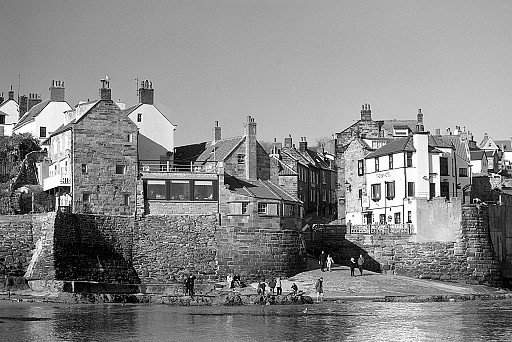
{"x": 326, "y": 261}
{"x": 189, "y": 285}
{"x": 234, "y": 281}
{"x": 275, "y": 287}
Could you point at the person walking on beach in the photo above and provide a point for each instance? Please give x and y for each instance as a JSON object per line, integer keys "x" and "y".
{"x": 295, "y": 289}
{"x": 319, "y": 288}
{"x": 330, "y": 261}
{"x": 191, "y": 280}
{"x": 353, "y": 265}
{"x": 360, "y": 263}
{"x": 278, "y": 286}
{"x": 322, "y": 260}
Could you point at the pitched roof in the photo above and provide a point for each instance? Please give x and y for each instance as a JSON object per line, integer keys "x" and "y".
{"x": 263, "y": 189}
{"x": 220, "y": 150}
{"x": 504, "y": 145}
{"x": 32, "y": 113}
{"x": 461, "y": 146}
{"x": 388, "y": 125}
{"x": 128, "y": 110}
{"x": 284, "y": 169}
{"x": 478, "y": 154}
{"x": 394, "y": 146}
{"x": 437, "y": 141}
{"x": 189, "y": 153}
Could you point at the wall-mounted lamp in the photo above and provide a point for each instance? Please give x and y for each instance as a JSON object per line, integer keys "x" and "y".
{"x": 348, "y": 186}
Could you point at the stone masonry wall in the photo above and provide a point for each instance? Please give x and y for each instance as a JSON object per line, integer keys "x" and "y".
{"x": 16, "y": 244}
{"x": 167, "y": 248}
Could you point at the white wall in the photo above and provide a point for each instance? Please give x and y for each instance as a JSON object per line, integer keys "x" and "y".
{"x": 154, "y": 125}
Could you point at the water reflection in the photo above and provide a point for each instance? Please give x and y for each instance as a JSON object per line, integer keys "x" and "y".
{"x": 352, "y": 321}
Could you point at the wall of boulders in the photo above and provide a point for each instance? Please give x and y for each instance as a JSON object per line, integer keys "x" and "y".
{"x": 16, "y": 244}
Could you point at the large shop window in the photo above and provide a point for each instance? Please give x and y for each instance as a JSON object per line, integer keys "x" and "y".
{"x": 181, "y": 190}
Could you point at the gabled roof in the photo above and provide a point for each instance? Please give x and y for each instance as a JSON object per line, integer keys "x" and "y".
{"x": 388, "y": 125}
{"x": 308, "y": 157}
{"x": 263, "y": 189}
{"x": 461, "y": 146}
{"x": 394, "y": 146}
{"x": 478, "y": 154}
{"x": 284, "y": 169}
{"x": 504, "y": 145}
{"x": 131, "y": 109}
{"x": 220, "y": 150}
{"x": 437, "y": 141}
{"x": 32, "y": 113}
{"x": 189, "y": 153}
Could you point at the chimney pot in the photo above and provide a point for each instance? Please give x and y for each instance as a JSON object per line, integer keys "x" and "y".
{"x": 146, "y": 93}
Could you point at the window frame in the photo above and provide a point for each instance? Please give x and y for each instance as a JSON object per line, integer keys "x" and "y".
{"x": 376, "y": 192}
{"x": 390, "y": 190}
{"x": 390, "y": 161}
{"x": 408, "y": 156}
{"x": 120, "y": 169}
{"x": 377, "y": 164}
{"x": 139, "y": 117}
{"x": 360, "y": 167}
{"x": 42, "y": 132}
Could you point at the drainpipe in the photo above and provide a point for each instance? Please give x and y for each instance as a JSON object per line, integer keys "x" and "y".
{"x": 405, "y": 186}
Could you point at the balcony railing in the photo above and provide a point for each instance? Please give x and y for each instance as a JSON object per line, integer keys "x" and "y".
{"x": 157, "y": 166}
{"x": 55, "y": 181}
{"x": 384, "y": 229}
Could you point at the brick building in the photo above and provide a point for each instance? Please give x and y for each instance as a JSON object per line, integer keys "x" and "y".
{"x": 92, "y": 164}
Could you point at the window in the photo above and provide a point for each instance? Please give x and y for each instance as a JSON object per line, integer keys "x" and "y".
{"x": 463, "y": 172}
{"x": 84, "y": 169}
{"x": 409, "y": 216}
{"x": 410, "y": 189}
{"x": 382, "y": 218}
{"x": 445, "y": 189}
{"x": 156, "y": 189}
{"x": 238, "y": 208}
{"x": 377, "y": 164}
{"x": 376, "y": 192}
{"x": 86, "y": 198}
{"x": 409, "y": 159}
{"x": 397, "y": 218}
{"x": 129, "y": 137}
{"x": 390, "y": 190}
{"x": 203, "y": 190}
{"x": 443, "y": 166}
{"x": 2, "y": 119}
{"x": 126, "y": 199}
{"x": 241, "y": 158}
{"x": 360, "y": 167}
{"x": 42, "y": 132}
{"x": 390, "y": 162}
{"x": 360, "y": 193}
{"x": 139, "y": 117}
{"x": 179, "y": 190}
{"x": 324, "y": 195}
{"x": 262, "y": 208}
{"x": 120, "y": 169}
{"x": 289, "y": 210}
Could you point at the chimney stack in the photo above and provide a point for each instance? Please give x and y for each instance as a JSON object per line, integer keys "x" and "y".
{"x": 32, "y": 100}
{"x": 146, "y": 92}
{"x": 288, "y": 141}
{"x": 216, "y": 132}
{"x": 438, "y": 131}
{"x": 251, "y": 167}
{"x": 366, "y": 113}
{"x": 303, "y": 144}
{"x": 57, "y": 91}
{"x": 105, "y": 91}
{"x": 11, "y": 94}
{"x": 419, "y": 126}
{"x": 276, "y": 147}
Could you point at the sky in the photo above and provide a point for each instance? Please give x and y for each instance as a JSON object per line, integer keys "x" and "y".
{"x": 300, "y": 68}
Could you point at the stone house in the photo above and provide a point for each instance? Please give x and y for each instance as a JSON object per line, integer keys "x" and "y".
{"x": 92, "y": 159}
{"x": 377, "y": 132}
{"x": 308, "y": 175}
{"x": 45, "y": 117}
{"x": 156, "y": 132}
{"x": 9, "y": 113}
{"x": 399, "y": 178}
{"x": 493, "y": 152}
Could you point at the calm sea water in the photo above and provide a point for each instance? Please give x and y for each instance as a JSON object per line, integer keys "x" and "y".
{"x": 351, "y": 321}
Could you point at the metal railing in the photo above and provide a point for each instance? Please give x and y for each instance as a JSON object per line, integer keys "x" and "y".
{"x": 384, "y": 229}
{"x": 157, "y": 166}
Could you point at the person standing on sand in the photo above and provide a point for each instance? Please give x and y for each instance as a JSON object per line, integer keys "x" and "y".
{"x": 295, "y": 289}
{"x": 272, "y": 285}
{"x": 353, "y": 265}
{"x": 319, "y": 288}
{"x": 322, "y": 260}
{"x": 360, "y": 263}
{"x": 330, "y": 261}
{"x": 278, "y": 286}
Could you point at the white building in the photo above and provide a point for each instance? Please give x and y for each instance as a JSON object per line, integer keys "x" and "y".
{"x": 397, "y": 175}
{"x": 45, "y": 117}
{"x": 9, "y": 113}
{"x": 156, "y": 132}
